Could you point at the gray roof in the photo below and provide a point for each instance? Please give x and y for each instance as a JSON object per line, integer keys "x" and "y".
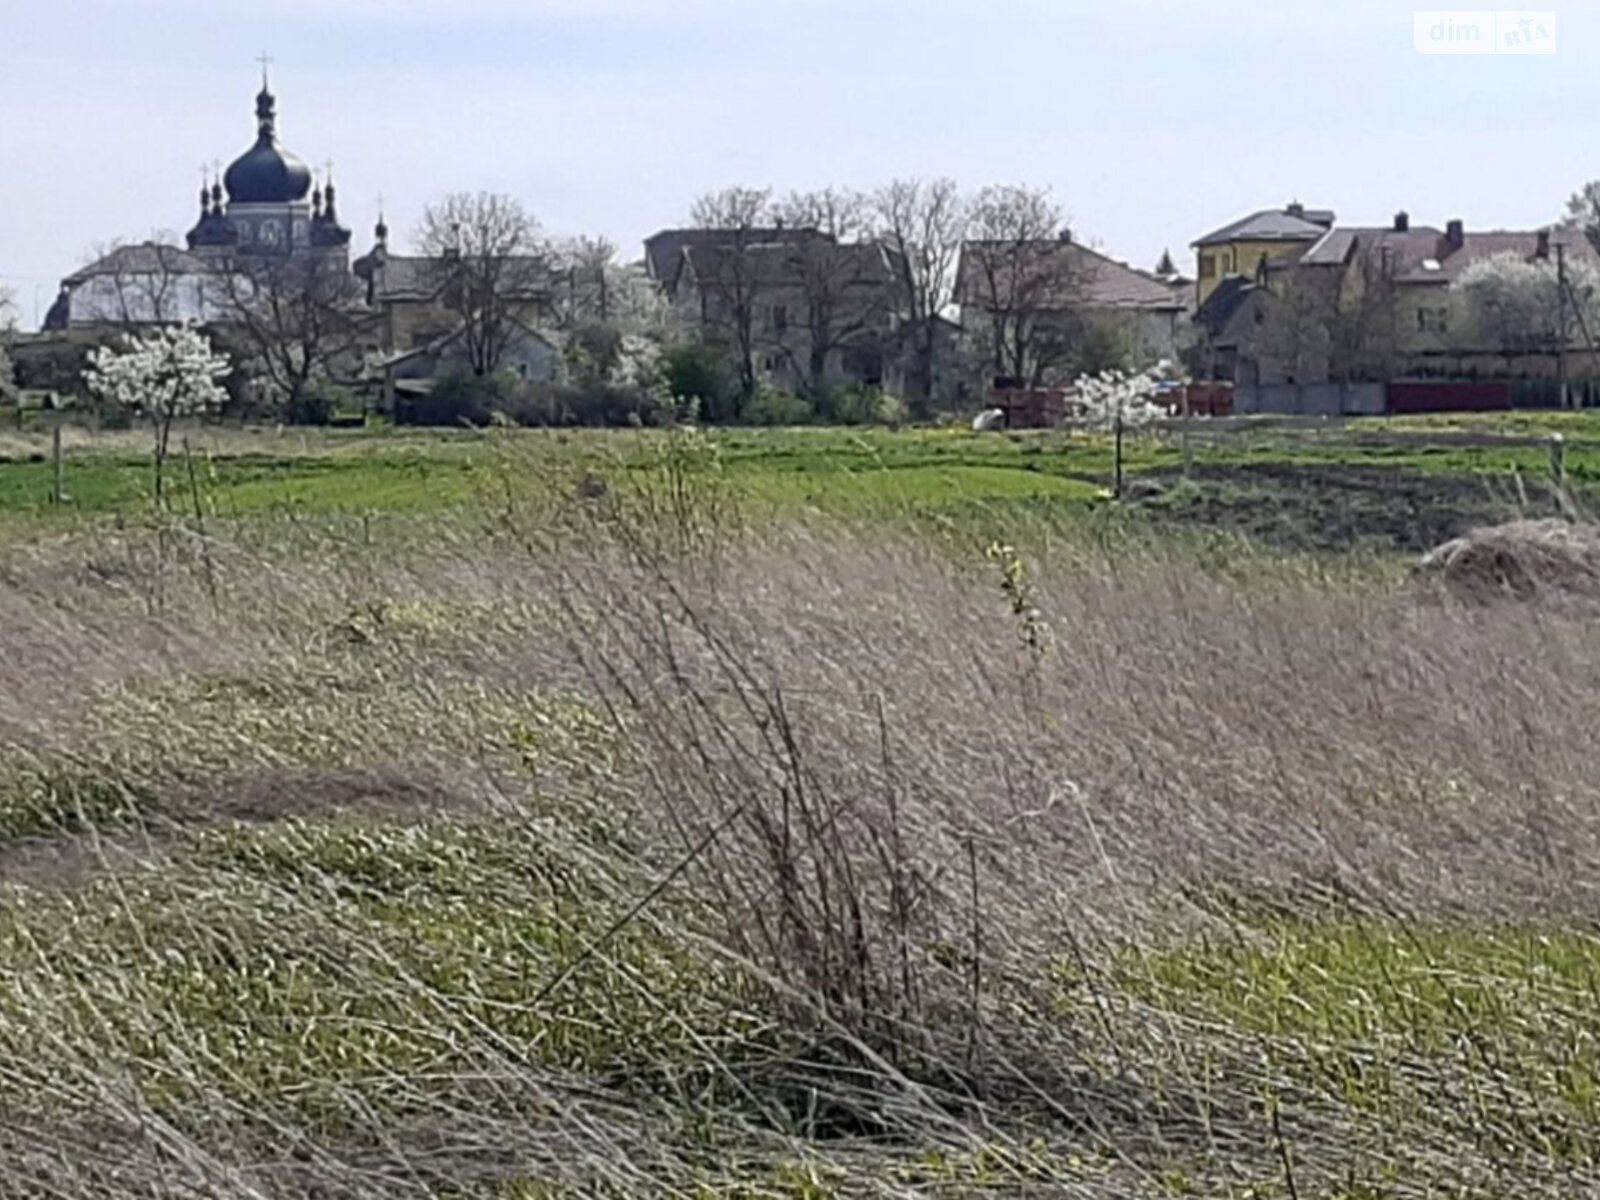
{"x": 789, "y": 264}
{"x": 665, "y": 251}
{"x": 412, "y": 277}
{"x": 1224, "y": 304}
{"x": 1409, "y": 249}
{"x": 147, "y": 258}
{"x": 1085, "y": 277}
{"x": 1272, "y": 225}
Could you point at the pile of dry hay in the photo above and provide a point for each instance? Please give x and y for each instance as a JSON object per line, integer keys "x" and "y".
{"x": 1524, "y": 560}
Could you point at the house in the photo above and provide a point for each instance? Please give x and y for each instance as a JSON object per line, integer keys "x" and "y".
{"x": 407, "y": 294}
{"x": 1056, "y": 293}
{"x": 669, "y": 253}
{"x": 813, "y": 313}
{"x": 1247, "y": 245}
{"x": 529, "y": 354}
{"x": 152, "y": 283}
{"x": 1367, "y": 304}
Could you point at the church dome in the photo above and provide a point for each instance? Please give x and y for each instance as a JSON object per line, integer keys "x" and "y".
{"x": 265, "y": 174}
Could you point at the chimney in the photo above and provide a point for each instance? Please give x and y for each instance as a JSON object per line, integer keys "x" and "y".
{"x": 1296, "y": 209}
{"x": 1544, "y": 244}
{"x": 1066, "y": 236}
{"x": 1402, "y": 222}
{"x": 1455, "y": 234}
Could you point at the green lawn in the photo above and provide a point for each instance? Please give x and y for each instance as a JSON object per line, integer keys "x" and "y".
{"x": 843, "y": 470}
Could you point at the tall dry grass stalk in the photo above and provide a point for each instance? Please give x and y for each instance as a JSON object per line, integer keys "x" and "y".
{"x": 927, "y": 872}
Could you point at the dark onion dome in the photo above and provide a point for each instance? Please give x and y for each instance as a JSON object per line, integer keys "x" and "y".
{"x": 326, "y": 232}
{"x": 213, "y": 229}
{"x": 266, "y": 174}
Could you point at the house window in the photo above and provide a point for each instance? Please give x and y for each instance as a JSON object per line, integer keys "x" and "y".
{"x": 1433, "y": 320}
{"x": 1208, "y": 266}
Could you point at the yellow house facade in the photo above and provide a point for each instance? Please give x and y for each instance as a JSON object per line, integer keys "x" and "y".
{"x": 1242, "y": 247}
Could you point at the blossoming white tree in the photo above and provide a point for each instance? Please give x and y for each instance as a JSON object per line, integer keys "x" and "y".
{"x": 1116, "y": 401}
{"x": 162, "y": 375}
{"x": 1516, "y": 306}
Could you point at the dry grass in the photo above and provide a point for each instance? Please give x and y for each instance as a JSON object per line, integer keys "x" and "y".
{"x": 678, "y": 862}
{"x": 1554, "y": 561}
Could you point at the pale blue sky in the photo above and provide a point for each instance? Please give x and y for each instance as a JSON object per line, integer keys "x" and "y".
{"x": 1152, "y": 120}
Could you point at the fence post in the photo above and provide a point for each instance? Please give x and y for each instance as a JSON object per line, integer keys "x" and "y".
{"x": 58, "y": 495}
{"x": 1558, "y": 460}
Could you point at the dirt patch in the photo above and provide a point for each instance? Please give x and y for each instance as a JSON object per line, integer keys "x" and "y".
{"x": 70, "y": 861}
{"x": 1335, "y": 508}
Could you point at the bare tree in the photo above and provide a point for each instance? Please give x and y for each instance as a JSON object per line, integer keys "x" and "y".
{"x": 844, "y": 286}
{"x": 8, "y": 330}
{"x": 488, "y": 260}
{"x": 921, "y": 223}
{"x": 587, "y": 269}
{"x": 1365, "y": 339}
{"x": 732, "y": 275}
{"x": 1583, "y": 212}
{"x": 1024, "y": 280}
{"x": 139, "y": 284}
{"x": 733, "y": 208}
{"x": 1297, "y": 328}
{"x": 292, "y": 323}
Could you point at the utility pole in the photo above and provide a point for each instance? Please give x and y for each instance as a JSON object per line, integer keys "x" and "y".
{"x": 1561, "y": 350}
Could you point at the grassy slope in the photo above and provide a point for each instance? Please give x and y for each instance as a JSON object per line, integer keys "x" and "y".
{"x": 275, "y": 979}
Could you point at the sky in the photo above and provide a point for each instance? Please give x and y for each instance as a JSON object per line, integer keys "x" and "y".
{"x": 1151, "y": 121}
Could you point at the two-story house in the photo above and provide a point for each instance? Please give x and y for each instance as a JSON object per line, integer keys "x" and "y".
{"x": 1247, "y": 246}
{"x": 1368, "y": 303}
{"x": 1028, "y": 308}
{"x": 793, "y": 306}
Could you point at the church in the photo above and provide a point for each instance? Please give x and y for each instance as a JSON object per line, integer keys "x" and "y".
{"x": 266, "y": 209}
{"x": 268, "y": 227}
{"x": 267, "y": 212}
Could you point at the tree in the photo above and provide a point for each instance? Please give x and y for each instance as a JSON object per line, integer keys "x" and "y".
{"x": 291, "y": 322}
{"x": 843, "y": 286}
{"x": 1024, "y": 280}
{"x": 593, "y": 288}
{"x": 488, "y": 261}
{"x": 921, "y": 223}
{"x": 1583, "y": 212}
{"x": 167, "y": 373}
{"x": 139, "y": 284}
{"x": 1104, "y": 346}
{"x": 1115, "y": 402}
{"x": 1364, "y": 341}
{"x": 1295, "y": 339}
{"x": 8, "y": 330}
{"x": 731, "y": 275}
{"x": 732, "y": 208}
{"x": 1514, "y": 305}
{"x": 587, "y": 268}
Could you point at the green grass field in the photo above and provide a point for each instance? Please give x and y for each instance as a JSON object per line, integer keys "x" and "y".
{"x": 860, "y": 473}
{"x": 515, "y": 815}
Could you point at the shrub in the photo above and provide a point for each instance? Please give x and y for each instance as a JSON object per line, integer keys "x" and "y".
{"x": 1103, "y": 347}
{"x": 459, "y": 397}
{"x": 315, "y": 408}
{"x": 594, "y": 404}
{"x": 772, "y": 407}
{"x": 859, "y": 405}
{"x": 696, "y": 371}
